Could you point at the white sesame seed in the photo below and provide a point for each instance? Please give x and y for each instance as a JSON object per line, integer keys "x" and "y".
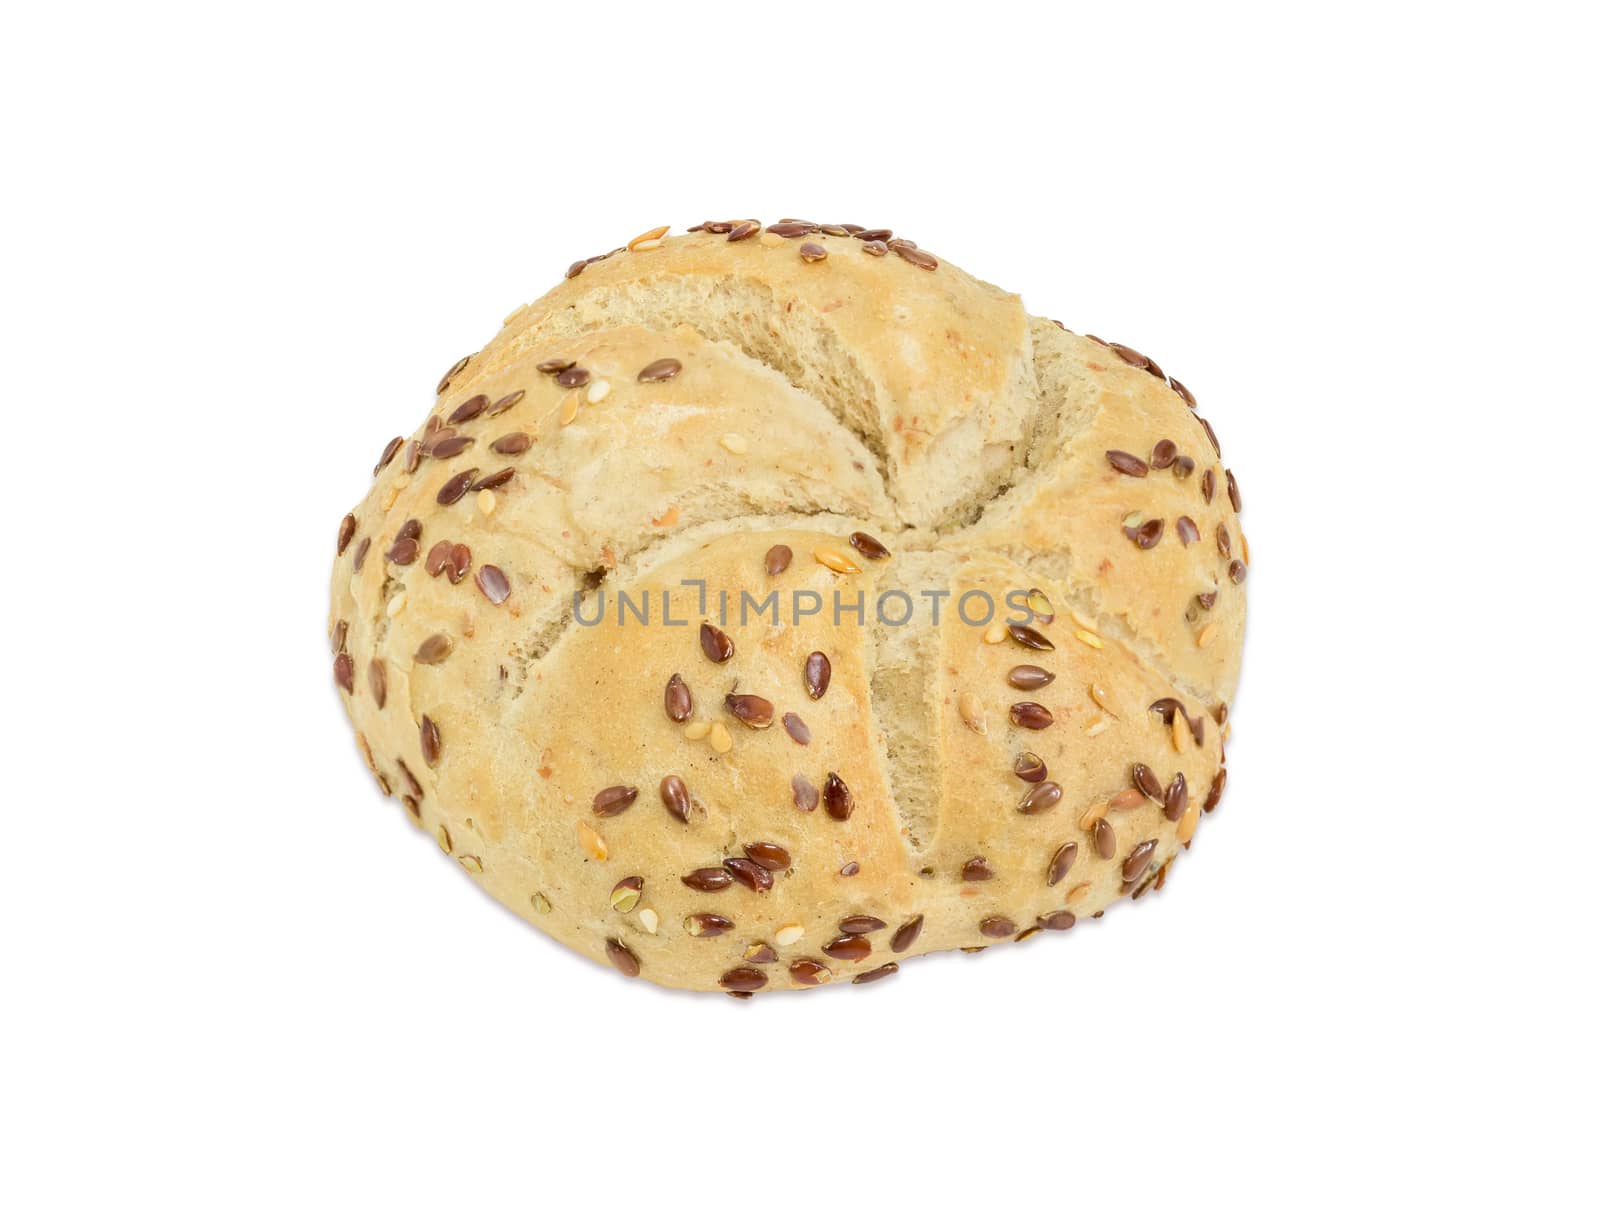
{"x": 569, "y": 408}
{"x": 599, "y": 391}
{"x": 789, "y": 934}
{"x": 721, "y": 739}
{"x": 396, "y": 605}
{"x": 486, "y": 501}
{"x": 735, "y": 443}
{"x": 648, "y": 920}
{"x": 697, "y": 730}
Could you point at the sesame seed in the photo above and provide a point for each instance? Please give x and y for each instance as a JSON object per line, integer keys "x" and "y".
{"x": 994, "y": 634}
{"x": 441, "y": 835}
{"x": 1127, "y": 799}
{"x": 540, "y": 903}
{"x": 1089, "y": 638}
{"x": 1206, "y": 635}
{"x": 591, "y": 843}
{"x": 971, "y": 710}
{"x": 599, "y": 391}
{"x": 789, "y": 935}
{"x": 648, "y": 920}
{"x": 486, "y": 503}
{"x": 396, "y": 605}
{"x": 735, "y": 443}
{"x": 721, "y": 739}
{"x": 768, "y": 239}
{"x": 1101, "y": 697}
{"x": 1078, "y": 893}
{"x": 697, "y": 730}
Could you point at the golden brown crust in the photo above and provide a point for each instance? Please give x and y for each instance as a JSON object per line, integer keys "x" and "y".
{"x": 715, "y": 822}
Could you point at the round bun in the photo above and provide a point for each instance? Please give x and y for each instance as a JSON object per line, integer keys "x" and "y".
{"x": 765, "y": 606}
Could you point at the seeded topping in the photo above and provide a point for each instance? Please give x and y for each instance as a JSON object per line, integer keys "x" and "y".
{"x": 836, "y": 561}
{"x": 444, "y": 382}
{"x": 679, "y": 702}
{"x": 504, "y": 404}
{"x": 1224, "y": 544}
{"x": 1146, "y": 781}
{"x": 976, "y": 870}
{"x": 403, "y": 551}
{"x": 749, "y": 873}
{"x": 552, "y": 367}
{"x": 514, "y": 444}
{"x": 911, "y": 254}
{"x": 613, "y": 801}
{"x": 1183, "y": 467}
{"x": 849, "y": 869}
{"x": 1188, "y": 531}
{"x": 851, "y": 947}
{"x": 875, "y": 247}
{"x": 1134, "y": 865}
{"x": 809, "y": 972}
{"x": 715, "y": 644}
{"x": 1214, "y": 796}
{"x": 470, "y": 409}
{"x": 1030, "y": 638}
{"x": 1176, "y": 799}
{"x": 1147, "y": 535}
{"x": 624, "y": 960}
{"x": 997, "y": 927}
{"x": 387, "y": 455}
{"x": 1236, "y": 572}
{"x": 1126, "y": 800}
{"x": 378, "y": 680}
{"x": 1105, "y": 838}
{"x": 432, "y": 742}
{"x": 1040, "y": 798}
{"x": 706, "y": 925}
{"x": 1126, "y": 462}
{"x": 797, "y": 728}
{"x": 573, "y": 377}
{"x": 340, "y": 631}
{"x": 805, "y": 794}
{"x": 709, "y": 879}
{"x": 861, "y": 923}
{"x": 344, "y": 672}
{"x": 868, "y": 546}
{"x": 1030, "y": 768}
{"x": 752, "y": 709}
{"x": 1029, "y": 678}
{"x": 492, "y": 581}
{"x": 876, "y": 974}
{"x": 760, "y": 953}
{"x": 768, "y": 855}
{"x": 1233, "y": 491}
{"x": 1207, "y": 600}
{"x": 675, "y": 796}
{"x": 1210, "y": 435}
{"x": 1029, "y": 715}
{"x": 347, "y": 532}
{"x": 660, "y": 370}
{"x": 812, "y": 253}
{"x": 495, "y": 480}
{"x": 454, "y": 490}
{"x": 836, "y": 798}
{"x": 742, "y": 231}
{"x": 1059, "y": 920}
{"x": 1208, "y": 484}
{"x": 448, "y": 557}
{"x": 1060, "y": 863}
{"x": 743, "y": 979}
{"x": 818, "y": 674}
{"x": 789, "y": 228}
{"x": 1163, "y": 454}
{"x": 626, "y": 893}
{"x": 907, "y": 934}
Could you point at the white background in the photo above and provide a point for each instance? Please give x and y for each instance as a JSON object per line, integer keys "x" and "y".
{"x": 242, "y": 244}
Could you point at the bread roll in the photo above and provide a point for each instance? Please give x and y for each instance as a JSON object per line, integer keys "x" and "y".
{"x": 555, "y": 633}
